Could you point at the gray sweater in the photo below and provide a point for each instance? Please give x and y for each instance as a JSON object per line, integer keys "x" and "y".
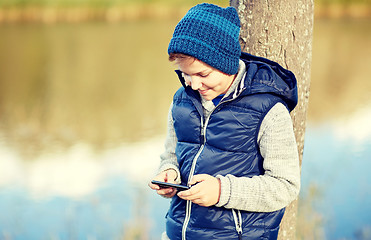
{"x": 280, "y": 183}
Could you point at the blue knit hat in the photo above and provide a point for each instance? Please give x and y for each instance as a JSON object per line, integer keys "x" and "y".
{"x": 210, "y": 34}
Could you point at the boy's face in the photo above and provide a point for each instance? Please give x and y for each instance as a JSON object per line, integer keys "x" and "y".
{"x": 208, "y": 81}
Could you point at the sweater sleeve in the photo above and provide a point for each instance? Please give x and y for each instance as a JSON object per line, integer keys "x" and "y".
{"x": 168, "y": 157}
{"x": 280, "y": 183}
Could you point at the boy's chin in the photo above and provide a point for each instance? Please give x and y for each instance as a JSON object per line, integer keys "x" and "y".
{"x": 207, "y": 98}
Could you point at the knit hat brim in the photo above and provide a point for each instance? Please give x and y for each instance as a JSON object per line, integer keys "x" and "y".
{"x": 205, "y": 53}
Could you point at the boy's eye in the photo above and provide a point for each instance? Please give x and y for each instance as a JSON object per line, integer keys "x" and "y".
{"x": 203, "y": 75}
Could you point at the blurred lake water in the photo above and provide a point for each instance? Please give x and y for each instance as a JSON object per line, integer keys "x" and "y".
{"x": 83, "y": 112}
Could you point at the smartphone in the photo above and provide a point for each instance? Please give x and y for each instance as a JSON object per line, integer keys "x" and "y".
{"x": 168, "y": 185}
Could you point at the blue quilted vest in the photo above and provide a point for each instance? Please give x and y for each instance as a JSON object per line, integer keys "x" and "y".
{"x": 226, "y": 143}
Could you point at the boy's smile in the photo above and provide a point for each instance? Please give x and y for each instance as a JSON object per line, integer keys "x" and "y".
{"x": 208, "y": 81}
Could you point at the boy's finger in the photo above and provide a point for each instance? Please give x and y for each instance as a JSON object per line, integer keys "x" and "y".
{"x": 153, "y": 186}
{"x": 165, "y": 191}
{"x": 189, "y": 194}
{"x": 198, "y": 178}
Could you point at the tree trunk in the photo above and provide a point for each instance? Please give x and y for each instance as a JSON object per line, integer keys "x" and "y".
{"x": 282, "y": 31}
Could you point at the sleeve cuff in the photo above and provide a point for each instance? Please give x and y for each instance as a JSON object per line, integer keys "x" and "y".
{"x": 225, "y": 191}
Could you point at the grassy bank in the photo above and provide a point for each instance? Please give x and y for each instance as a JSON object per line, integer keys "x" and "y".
{"x": 47, "y": 11}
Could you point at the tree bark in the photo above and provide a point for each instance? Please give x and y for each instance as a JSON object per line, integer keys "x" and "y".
{"x": 282, "y": 31}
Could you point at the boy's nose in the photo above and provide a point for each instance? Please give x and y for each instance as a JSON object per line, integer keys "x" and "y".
{"x": 196, "y": 83}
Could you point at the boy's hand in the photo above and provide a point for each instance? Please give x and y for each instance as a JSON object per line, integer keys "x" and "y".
{"x": 165, "y": 176}
{"x": 205, "y": 193}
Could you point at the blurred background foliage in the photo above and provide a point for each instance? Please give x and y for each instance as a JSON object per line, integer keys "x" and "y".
{"x": 117, "y": 10}
{"x": 51, "y": 11}
{"x": 92, "y": 3}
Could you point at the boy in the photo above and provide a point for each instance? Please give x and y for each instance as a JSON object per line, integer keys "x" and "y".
{"x": 230, "y": 136}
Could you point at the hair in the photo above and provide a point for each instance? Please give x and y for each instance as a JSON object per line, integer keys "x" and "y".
{"x": 179, "y": 56}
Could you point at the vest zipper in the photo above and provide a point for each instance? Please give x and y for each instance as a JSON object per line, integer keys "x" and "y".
{"x": 228, "y": 100}
{"x": 189, "y": 203}
{"x": 238, "y": 222}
